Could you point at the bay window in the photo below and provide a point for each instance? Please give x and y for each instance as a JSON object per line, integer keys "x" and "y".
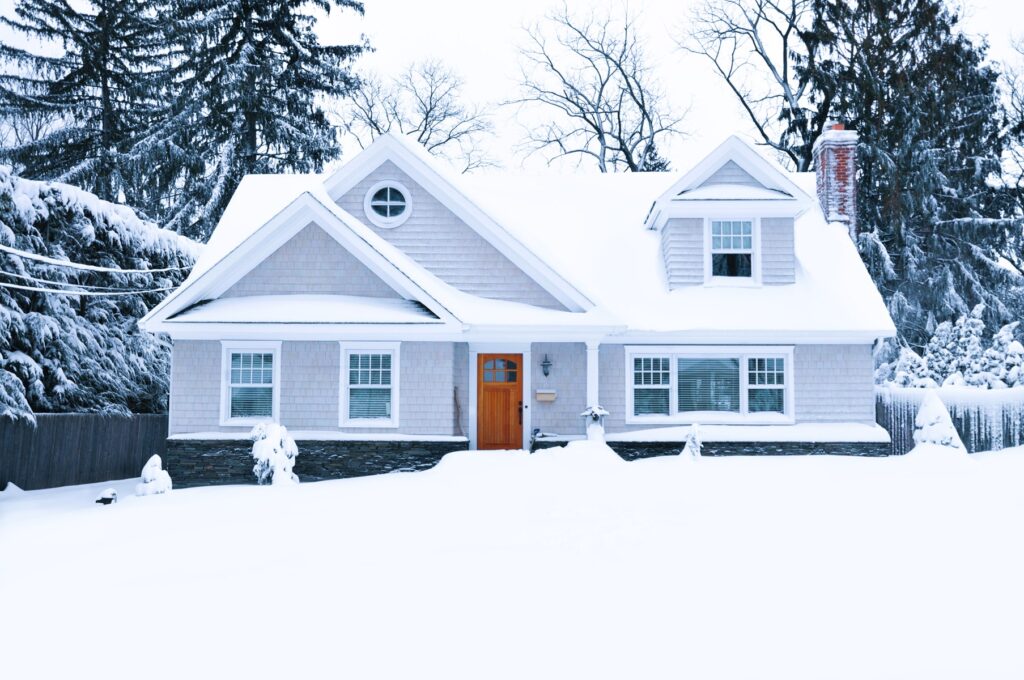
{"x": 708, "y": 384}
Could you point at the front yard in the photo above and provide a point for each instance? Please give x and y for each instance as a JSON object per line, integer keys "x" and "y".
{"x": 563, "y": 564}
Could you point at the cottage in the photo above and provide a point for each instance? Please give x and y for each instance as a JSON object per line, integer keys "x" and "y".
{"x": 389, "y": 312}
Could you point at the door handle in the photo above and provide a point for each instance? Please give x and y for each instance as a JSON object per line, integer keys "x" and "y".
{"x": 520, "y": 412}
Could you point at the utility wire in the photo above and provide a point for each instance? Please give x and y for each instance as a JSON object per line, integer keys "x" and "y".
{"x": 86, "y": 267}
{"x": 93, "y": 293}
{"x": 63, "y": 283}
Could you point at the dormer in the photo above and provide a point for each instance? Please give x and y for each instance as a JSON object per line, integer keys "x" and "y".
{"x": 729, "y": 221}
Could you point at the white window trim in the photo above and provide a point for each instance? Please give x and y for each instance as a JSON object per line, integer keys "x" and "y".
{"x": 348, "y": 347}
{"x": 380, "y": 220}
{"x": 755, "y": 255}
{"x": 226, "y": 348}
{"x": 741, "y": 352}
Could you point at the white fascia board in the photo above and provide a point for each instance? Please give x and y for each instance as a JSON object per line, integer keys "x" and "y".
{"x": 301, "y": 212}
{"x": 734, "y": 149}
{"x": 306, "y": 331}
{"x": 750, "y": 337}
{"x": 385, "y": 148}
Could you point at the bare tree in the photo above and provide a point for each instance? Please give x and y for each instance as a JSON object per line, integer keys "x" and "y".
{"x": 590, "y": 72}
{"x": 18, "y": 128}
{"x": 424, "y": 102}
{"x": 756, "y": 46}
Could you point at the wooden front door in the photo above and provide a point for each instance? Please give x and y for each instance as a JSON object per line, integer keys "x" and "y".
{"x": 499, "y": 401}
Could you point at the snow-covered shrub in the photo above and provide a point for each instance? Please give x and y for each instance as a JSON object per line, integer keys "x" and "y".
{"x": 971, "y": 359}
{"x": 911, "y": 371}
{"x": 1002, "y": 357}
{"x": 934, "y": 426}
{"x": 693, "y": 444}
{"x": 594, "y": 419}
{"x": 274, "y": 451}
{"x": 940, "y": 354}
{"x": 154, "y": 478}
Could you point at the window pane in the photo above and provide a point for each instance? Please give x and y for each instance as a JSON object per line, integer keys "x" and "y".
{"x": 252, "y": 402}
{"x": 709, "y": 385}
{"x": 730, "y": 264}
{"x": 650, "y": 402}
{"x": 369, "y": 403}
{"x": 653, "y": 371}
{"x": 766, "y": 400}
{"x": 380, "y": 196}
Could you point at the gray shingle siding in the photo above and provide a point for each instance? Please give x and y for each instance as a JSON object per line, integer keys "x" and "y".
{"x": 568, "y": 377}
{"x": 778, "y": 261}
{"x": 310, "y": 384}
{"x": 682, "y": 250}
{"x": 461, "y": 384}
{"x": 834, "y": 382}
{"x": 311, "y": 262}
{"x": 448, "y": 247}
{"x": 731, "y": 173}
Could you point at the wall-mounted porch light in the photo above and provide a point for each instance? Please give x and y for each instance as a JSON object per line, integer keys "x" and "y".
{"x": 546, "y": 366}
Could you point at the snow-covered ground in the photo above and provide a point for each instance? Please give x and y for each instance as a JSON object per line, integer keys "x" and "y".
{"x": 563, "y": 564}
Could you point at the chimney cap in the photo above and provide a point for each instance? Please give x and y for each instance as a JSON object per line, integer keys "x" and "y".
{"x": 838, "y": 127}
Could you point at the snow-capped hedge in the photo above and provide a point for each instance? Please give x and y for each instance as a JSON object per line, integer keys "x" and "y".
{"x": 958, "y": 355}
{"x": 63, "y": 353}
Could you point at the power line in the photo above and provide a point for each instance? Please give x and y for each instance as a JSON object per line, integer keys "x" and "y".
{"x": 86, "y": 286}
{"x": 86, "y": 267}
{"x": 92, "y": 293}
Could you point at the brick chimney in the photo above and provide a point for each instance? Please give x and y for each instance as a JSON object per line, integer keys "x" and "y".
{"x": 835, "y": 164}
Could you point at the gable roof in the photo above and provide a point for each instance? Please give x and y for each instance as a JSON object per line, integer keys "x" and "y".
{"x": 445, "y": 186}
{"x": 701, "y": 183}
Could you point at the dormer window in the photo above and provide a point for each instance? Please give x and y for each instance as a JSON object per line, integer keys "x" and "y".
{"x": 732, "y": 248}
{"x": 387, "y": 204}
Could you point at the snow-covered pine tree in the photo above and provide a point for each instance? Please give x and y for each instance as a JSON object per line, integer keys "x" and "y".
{"x": 925, "y": 101}
{"x": 999, "y": 359}
{"x": 970, "y": 342}
{"x": 81, "y": 352}
{"x": 248, "y": 85}
{"x": 91, "y": 79}
{"x": 940, "y": 353}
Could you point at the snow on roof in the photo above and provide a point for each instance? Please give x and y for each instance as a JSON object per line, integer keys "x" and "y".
{"x": 732, "y": 192}
{"x": 307, "y": 309}
{"x": 590, "y": 229}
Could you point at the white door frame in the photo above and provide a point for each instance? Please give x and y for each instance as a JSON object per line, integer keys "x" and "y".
{"x": 478, "y": 348}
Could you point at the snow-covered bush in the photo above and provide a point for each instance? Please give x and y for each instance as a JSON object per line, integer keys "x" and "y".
{"x": 934, "y": 426}
{"x": 594, "y": 419}
{"x": 154, "y": 478}
{"x": 274, "y": 451}
{"x": 693, "y": 444}
{"x": 61, "y": 353}
{"x": 956, "y": 356}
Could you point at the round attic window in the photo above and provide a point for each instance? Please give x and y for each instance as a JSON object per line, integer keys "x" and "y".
{"x": 387, "y": 204}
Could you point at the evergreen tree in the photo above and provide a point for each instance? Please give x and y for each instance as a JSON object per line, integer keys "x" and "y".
{"x": 1000, "y": 359}
{"x": 96, "y": 88}
{"x": 940, "y": 354}
{"x": 926, "y": 105}
{"x": 247, "y": 90}
{"x": 970, "y": 337}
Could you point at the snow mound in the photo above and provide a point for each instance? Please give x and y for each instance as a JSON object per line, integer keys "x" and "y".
{"x": 934, "y": 426}
{"x": 274, "y": 451}
{"x": 11, "y": 489}
{"x": 154, "y": 478}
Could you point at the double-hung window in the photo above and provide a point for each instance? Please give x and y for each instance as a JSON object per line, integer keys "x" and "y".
{"x": 369, "y": 385}
{"x": 732, "y": 248}
{"x": 709, "y": 384}
{"x": 250, "y": 382}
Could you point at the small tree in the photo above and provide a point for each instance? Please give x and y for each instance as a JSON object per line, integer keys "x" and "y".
{"x": 426, "y": 103}
{"x": 274, "y": 451}
{"x": 693, "y": 444}
{"x": 934, "y": 426}
{"x": 590, "y": 74}
{"x": 970, "y": 337}
{"x": 940, "y": 354}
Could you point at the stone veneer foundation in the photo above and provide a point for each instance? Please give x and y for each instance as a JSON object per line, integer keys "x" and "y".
{"x": 635, "y": 450}
{"x": 203, "y": 462}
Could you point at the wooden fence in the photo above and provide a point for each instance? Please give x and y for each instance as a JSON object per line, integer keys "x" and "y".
{"x": 986, "y": 420}
{"x": 78, "y": 448}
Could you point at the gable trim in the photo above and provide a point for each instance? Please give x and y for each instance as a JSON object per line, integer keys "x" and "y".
{"x": 263, "y": 242}
{"x": 444, "y": 189}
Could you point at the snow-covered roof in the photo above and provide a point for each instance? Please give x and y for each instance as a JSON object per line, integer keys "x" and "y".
{"x": 732, "y": 192}
{"x": 307, "y": 309}
{"x": 594, "y": 232}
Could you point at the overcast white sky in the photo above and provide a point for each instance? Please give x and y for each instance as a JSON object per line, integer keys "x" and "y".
{"x": 479, "y": 39}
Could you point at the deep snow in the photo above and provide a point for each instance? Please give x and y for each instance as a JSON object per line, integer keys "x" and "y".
{"x": 564, "y": 564}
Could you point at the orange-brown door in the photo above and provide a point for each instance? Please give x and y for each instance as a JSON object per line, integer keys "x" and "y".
{"x": 499, "y": 401}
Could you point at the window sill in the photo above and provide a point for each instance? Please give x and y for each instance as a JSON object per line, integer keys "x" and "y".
{"x": 713, "y": 418}
{"x": 370, "y": 422}
{"x": 731, "y": 282}
{"x": 245, "y": 422}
